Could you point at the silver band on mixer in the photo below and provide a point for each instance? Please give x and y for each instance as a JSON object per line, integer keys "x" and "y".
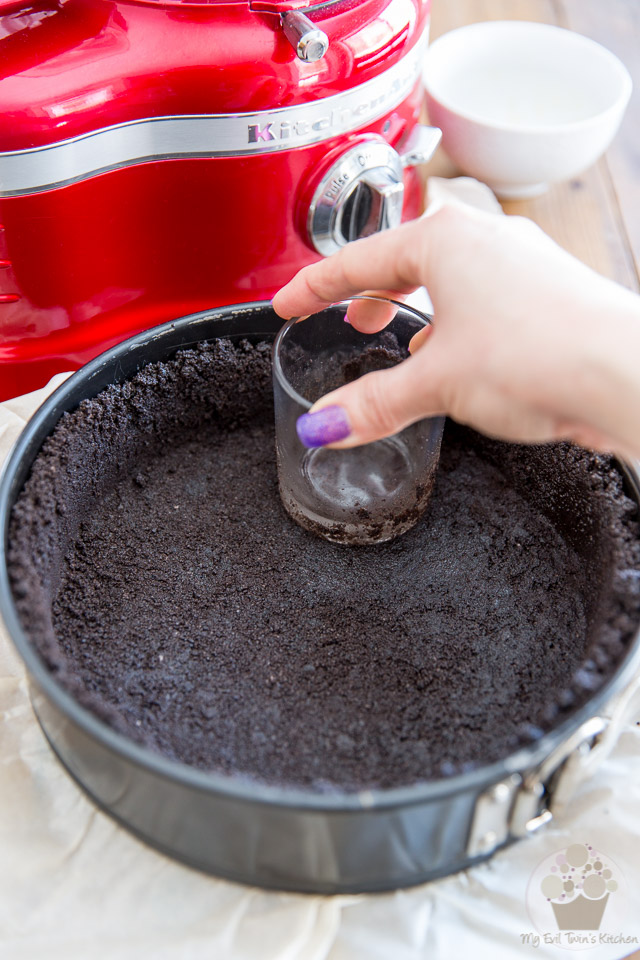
{"x": 215, "y": 135}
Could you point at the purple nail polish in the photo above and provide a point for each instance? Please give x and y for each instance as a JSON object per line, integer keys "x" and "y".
{"x": 326, "y": 426}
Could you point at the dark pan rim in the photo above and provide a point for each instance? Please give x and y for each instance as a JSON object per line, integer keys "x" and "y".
{"x": 242, "y": 788}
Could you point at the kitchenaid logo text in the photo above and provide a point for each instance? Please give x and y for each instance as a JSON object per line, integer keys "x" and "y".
{"x": 334, "y": 121}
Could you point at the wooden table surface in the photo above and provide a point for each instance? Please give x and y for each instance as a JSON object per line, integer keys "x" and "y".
{"x": 596, "y": 215}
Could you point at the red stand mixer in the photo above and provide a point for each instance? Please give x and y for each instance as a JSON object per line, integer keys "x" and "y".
{"x": 161, "y": 158}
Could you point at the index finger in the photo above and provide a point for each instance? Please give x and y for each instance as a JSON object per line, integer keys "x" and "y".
{"x": 392, "y": 260}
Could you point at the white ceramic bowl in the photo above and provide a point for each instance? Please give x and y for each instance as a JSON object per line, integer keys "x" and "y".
{"x": 522, "y": 105}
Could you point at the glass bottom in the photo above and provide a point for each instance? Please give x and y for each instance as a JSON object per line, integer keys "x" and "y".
{"x": 368, "y": 478}
{"x": 365, "y": 495}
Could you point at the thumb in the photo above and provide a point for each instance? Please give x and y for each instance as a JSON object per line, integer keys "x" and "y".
{"x": 376, "y": 405}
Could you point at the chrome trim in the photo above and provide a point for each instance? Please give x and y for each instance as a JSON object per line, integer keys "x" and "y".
{"x": 309, "y": 42}
{"x": 215, "y": 135}
{"x": 419, "y": 146}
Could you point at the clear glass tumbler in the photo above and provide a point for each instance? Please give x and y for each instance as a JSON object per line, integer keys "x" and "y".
{"x": 366, "y": 494}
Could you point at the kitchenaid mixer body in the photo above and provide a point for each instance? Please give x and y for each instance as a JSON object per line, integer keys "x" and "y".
{"x": 161, "y": 158}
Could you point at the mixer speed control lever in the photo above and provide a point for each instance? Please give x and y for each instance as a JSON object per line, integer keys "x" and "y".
{"x": 307, "y": 40}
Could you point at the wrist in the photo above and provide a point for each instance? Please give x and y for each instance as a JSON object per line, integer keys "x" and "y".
{"x": 603, "y": 390}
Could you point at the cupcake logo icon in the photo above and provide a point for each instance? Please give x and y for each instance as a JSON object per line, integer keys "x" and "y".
{"x": 577, "y": 899}
{"x": 578, "y": 887}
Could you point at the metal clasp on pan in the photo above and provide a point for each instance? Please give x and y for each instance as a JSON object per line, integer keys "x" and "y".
{"x": 521, "y": 804}
{"x": 544, "y": 791}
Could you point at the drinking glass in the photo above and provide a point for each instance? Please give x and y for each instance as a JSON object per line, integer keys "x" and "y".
{"x": 365, "y": 494}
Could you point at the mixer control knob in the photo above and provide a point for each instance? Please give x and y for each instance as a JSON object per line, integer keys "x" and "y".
{"x": 361, "y": 193}
{"x": 307, "y": 40}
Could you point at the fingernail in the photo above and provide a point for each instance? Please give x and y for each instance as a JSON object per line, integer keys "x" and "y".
{"x": 326, "y": 426}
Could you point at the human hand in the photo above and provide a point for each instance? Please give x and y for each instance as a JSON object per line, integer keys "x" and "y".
{"x": 528, "y": 343}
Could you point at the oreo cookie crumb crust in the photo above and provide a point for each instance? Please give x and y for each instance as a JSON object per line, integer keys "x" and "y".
{"x": 158, "y": 575}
